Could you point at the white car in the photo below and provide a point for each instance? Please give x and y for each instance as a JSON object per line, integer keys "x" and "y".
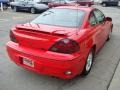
{"x": 29, "y": 5}
{"x": 118, "y": 3}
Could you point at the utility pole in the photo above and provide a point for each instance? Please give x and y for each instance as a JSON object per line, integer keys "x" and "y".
{"x": 1, "y": 6}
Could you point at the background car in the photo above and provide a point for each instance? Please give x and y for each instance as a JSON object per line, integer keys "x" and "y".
{"x": 45, "y": 1}
{"x": 85, "y": 2}
{"x": 5, "y": 3}
{"x": 109, "y": 2}
{"x": 29, "y": 5}
{"x": 60, "y": 42}
{"x": 118, "y": 3}
{"x": 55, "y": 3}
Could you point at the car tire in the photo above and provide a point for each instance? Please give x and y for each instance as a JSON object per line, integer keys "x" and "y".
{"x": 104, "y": 4}
{"x": 5, "y": 6}
{"x": 15, "y": 9}
{"x": 118, "y": 3}
{"x": 89, "y": 63}
{"x": 33, "y": 10}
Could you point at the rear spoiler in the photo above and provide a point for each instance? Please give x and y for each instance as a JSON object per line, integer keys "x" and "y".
{"x": 29, "y": 29}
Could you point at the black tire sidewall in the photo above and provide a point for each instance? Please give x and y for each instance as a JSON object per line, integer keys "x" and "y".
{"x": 5, "y": 6}
{"x": 85, "y": 72}
{"x": 110, "y": 33}
{"x": 33, "y": 9}
{"x": 104, "y": 4}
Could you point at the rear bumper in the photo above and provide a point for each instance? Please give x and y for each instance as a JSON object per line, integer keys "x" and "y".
{"x": 40, "y": 10}
{"x": 47, "y": 63}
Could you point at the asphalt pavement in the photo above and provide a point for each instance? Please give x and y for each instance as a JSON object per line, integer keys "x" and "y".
{"x": 13, "y": 77}
{"x": 115, "y": 82}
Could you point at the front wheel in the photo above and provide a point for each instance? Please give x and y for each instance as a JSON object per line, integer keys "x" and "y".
{"x": 104, "y": 4}
{"x": 89, "y": 62}
{"x": 109, "y": 35}
{"x": 15, "y": 9}
{"x": 5, "y": 6}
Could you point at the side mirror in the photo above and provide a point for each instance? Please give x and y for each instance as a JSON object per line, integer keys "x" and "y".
{"x": 108, "y": 19}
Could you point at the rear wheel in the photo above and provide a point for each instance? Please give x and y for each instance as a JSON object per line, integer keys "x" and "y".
{"x": 118, "y": 3}
{"x": 33, "y": 10}
{"x": 89, "y": 62}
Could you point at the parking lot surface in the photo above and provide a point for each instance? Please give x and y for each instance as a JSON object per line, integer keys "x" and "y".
{"x": 13, "y": 77}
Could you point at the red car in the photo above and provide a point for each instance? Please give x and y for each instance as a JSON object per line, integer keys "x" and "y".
{"x": 61, "y": 42}
{"x": 85, "y": 2}
{"x": 56, "y": 3}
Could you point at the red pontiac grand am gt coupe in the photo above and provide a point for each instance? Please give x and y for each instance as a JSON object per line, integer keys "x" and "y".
{"x": 61, "y": 42}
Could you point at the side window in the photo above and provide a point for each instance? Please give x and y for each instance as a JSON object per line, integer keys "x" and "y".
{"x": 92, "y": 20}
{"x": 99, "y": 16}
{"x": 30, "y": 0}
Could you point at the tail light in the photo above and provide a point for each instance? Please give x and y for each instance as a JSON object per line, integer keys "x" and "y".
{"x": 12, "y": 37}
{"x": 67, "y": 46}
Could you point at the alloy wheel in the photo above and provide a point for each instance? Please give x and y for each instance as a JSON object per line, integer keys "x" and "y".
{"x": 89, "y": 61}
{"x": 33, "y": 10}
{"x": 104, "y": 5}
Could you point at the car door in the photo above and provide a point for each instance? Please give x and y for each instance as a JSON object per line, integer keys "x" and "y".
{"x": 114, "y": 2}
{"x": 95, "y": 29}
{"x": 29, "y": 4}
{"x": 102, "y": 26}
{"x": 23, "y": 4}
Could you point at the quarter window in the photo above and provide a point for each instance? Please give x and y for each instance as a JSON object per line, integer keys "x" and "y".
{"x": 99, "y": 16}
{"x": 92, "y": 20}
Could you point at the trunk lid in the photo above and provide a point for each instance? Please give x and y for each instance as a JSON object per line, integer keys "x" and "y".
{"x": 40, "y": 36}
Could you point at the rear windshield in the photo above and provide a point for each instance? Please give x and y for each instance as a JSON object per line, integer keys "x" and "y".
{"x": 61, "y": 17}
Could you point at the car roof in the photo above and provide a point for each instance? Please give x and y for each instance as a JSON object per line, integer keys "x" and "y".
{"x": 84, "y": 8}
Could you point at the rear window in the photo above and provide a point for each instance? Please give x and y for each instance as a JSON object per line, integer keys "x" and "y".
{"x": 61, "y": 17}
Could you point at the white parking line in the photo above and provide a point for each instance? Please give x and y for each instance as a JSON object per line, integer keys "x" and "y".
{"x": 3, "y": 20}
{"x": 17, "y": 17}
{"x": 13, "y": 18}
